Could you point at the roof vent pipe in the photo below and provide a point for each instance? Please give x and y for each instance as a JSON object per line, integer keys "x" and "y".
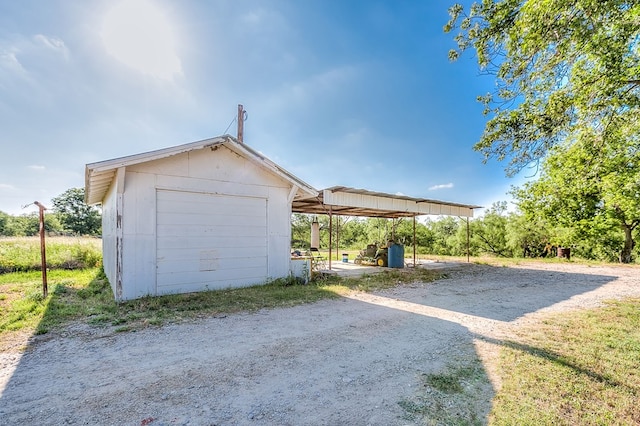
{"x": 242, "y": 117}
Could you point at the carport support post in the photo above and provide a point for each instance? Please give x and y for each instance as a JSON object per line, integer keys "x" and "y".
{"x": 414, "y": 241}
{"x": 467, "y": 240}
{"x": 330, "y": 240}
{"x": 337, "y": 236}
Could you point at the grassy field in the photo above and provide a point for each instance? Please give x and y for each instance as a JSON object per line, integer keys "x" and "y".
{"x": 21, "y": 254}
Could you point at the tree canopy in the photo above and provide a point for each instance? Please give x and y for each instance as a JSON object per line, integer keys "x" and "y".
{"x": 560, "y": 66}
{"x": 76, "y": 216}
{"x": 589, "y": 190}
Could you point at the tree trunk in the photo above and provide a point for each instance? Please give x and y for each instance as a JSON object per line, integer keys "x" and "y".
{"x": 625, "y": 254}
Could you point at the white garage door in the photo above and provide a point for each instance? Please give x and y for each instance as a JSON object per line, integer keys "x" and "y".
{"x": 207, "y": 241}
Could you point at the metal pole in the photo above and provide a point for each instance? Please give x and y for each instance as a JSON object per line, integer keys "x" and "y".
{"x": 414, "y": 241}
{"x": 43, "y": 251}
{"x": 467, "y": 240}
{"x": 337, "y": 236}
{"x": 330, "y": 240}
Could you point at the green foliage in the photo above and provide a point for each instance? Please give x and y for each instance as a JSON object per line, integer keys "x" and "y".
{"x": 4, "y": 221}
{"x": 445, "y": 241}
{"x": 489, "y": 233}
{"x": 300, "y": 231}
{"x": 27, "y": 224}
{"x": 378, "y": 230}
{"x": 528, "y": 236}
{"x": 351, "y": 231}
{"x": 76, "y": 216}
{"x": 559, "y": 66}
{"x": 589, "y": 190}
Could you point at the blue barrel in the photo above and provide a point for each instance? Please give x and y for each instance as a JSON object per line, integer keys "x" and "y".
{"x": 396, "y": 256}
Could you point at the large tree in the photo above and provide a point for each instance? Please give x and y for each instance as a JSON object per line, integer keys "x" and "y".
{"x": 560, "y": 66}
{"x": 76, "y": 216}
{"x": 588, "y": 188}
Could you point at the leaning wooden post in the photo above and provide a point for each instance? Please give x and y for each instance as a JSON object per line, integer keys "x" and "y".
{"x": 43, "y": 251}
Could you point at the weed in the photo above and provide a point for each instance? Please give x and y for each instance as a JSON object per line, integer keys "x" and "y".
{"x": 451, "y": 396}
{"x": 447, "y": 383}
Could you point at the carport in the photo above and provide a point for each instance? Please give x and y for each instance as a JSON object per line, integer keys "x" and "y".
{"x": 344, "y": 201}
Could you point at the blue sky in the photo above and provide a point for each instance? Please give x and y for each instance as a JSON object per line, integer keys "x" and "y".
{"x": 353, "y": 93}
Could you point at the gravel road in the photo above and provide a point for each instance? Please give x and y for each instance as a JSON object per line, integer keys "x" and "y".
{"x": 353, "y": 361}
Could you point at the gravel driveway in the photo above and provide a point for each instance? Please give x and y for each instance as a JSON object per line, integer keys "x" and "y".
{"x": 355, "y": 361}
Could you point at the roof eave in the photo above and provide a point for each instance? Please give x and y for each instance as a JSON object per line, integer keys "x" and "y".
{"x": 94, "y": 196}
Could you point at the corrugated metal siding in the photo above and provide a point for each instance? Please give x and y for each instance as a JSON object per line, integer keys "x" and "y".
{"x": 207, "y": 241}
{"x": 367, "y": 201}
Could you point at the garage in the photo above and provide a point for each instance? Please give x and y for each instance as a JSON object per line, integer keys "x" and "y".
{"x": 209, "y": 240}
{"x": 206, "y": 215}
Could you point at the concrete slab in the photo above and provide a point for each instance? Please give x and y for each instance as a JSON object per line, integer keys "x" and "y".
{"x": 350, "y": 269}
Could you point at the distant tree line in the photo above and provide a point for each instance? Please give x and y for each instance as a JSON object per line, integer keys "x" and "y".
{"x": 67, "y": 214}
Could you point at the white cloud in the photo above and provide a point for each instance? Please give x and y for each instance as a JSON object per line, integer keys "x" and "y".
{"x": 441, "y": 186}
{"x": 27, "y": 58}
{"x": 9, "y": 61}
{"x": 140, "y": 34}
{"x": 52, "y": 43}
{"x": 6, "y": 186}
{"x": 36, "y": 167}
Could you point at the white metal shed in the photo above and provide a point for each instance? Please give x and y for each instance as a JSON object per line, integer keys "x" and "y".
{"x": 205, "y": 215}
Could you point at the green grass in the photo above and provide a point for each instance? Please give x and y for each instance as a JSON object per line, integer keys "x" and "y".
{"x": 22, "y": 254}
{"x": 573, "y": 368}
{"x": 579, "y": 368}
{"x": 23, "y": 306}
{"x": 85, "y": 295}
{"x": 454, "y": 396}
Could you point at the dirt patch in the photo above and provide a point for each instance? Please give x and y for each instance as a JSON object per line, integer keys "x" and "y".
{"x": 363, "y": 359}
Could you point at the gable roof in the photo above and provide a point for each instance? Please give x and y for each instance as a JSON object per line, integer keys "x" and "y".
{"x": 99, "y": 176}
